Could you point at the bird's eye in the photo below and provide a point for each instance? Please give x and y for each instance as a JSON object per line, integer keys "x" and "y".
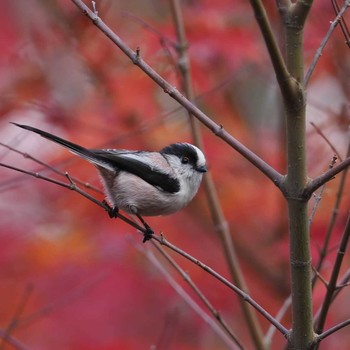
{"x": 184, "y": 160}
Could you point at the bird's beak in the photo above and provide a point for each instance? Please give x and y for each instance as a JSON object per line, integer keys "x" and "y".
{"x": 202, "y": 169}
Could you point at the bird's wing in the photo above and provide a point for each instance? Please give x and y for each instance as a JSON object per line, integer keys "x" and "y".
{"x": 141, "y": 164}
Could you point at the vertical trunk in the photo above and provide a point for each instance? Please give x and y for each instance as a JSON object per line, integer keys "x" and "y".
{"x": 300, "y": 257}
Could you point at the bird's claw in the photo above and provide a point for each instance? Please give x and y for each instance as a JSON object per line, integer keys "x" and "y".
{"x": 147, "y": 235}
{"x": 112, "y": 211}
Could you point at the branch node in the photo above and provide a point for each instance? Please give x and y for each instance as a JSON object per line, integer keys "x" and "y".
{"x": 219, "y": 130}
{"x": 95, "y": 19}
{"x": 94, "y": 9}
{"x": 162, "y": 238}
{"x": 170, "y": 90}
{"x": 300, "y": 263}
{"x": 72, "y": 183}
{"x": 137, "y": 56}
{"x": 299, "y": 199}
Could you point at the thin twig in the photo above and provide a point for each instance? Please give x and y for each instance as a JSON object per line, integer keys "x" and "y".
{"x": 343, "y": 283}
{"x": 71, "y": 295}
{"x": 318, "y": 196}
{"x": 195, "y": 288}
{"x": 280, "y": 314}
{"x": 227, "y": 283}
{"x": 319, "y": 276}
{"x": 13, "y": 341}
{"x": 325, "y": 40}
{"x": 16, "y": 317}
{"x": 332, "y": 330}
{"x": 313, "y": 185}
{"x": 165, "y": 42}
{"x": 329, "y": 143}
{"x": 216, "y": 211}
{"x": 331, "y": 287}
{"x": 224, "y": 332}
{"x": 150, "y": 28}
{"x": 342, "y": 23}
{"x": 161, "y": 240}
{"x": 75, "y": 188}
{"x": 332, "y": 221}
{"x": 49, "y": 167}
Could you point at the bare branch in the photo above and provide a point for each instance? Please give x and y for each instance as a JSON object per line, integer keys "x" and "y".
{"x": 325, "y": 40}
{"x": 331, "y": 287}
{"x": 342, "y": 23}
{"x": 13, "y": 341}
{"x": 329, "y": 143}
{"x": 72, "y": 186}
{"x": 49, "y": 167}
{"x": 150, "y": 28}
{"x": 332, "y": 221}
{"x": 16, "y": 317}
{"x": 286, "y": 83}
{"x": 228, "y": 337}
{"x": 218, "y": 130}
{"x": 343, "y": 283}
{"x": 313, "y": 185}
{"x": 318, "y": 196}
{"x": 284, "y": 331}
{"x": 281, "y": 312}
{"x": 161, "y": 240}
{"x": 332, "y": 330}
{"x": 216, "y": 211}
{"x": 71, "y": 295}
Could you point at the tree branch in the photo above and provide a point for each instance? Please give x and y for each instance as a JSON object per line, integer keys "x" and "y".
{"x": 313, "y": 185}
{"x": 332, "y": 221}
{"x": 224, "y": 332}
{"x": 246, "y": 297}
{"x": 73, "y": 187}
{"x": 164, "y": 242}
{"x": 13, "y": 341}
{"x": 286, "y": 83}
{"x": 299, "y": 12}
{"x": 332, "y": 330}
{"x": 331, "y": 287}
{"x": 216, "y": 211}
{"x": 325, "y": 40}
{"x": 218, "y": 130}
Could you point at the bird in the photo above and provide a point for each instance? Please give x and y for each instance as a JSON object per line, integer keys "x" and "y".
{"x": 142, "y": 183}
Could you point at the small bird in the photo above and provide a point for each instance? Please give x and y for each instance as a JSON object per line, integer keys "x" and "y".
{"x": 143, "y": 183}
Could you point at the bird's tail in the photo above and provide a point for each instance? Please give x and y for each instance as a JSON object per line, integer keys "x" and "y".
{"x": 74, "y": 148}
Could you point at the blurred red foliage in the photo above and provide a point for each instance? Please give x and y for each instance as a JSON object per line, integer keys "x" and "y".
{"x": 85, "y": 284}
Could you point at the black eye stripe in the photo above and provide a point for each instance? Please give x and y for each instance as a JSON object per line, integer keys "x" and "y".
{"x": 185, "y": 152}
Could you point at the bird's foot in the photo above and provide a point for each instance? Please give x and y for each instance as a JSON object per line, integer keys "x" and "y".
{"x": 112, "y": 211}
{"x": 148, "y": 234}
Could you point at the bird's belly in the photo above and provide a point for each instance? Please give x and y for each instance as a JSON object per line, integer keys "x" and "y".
{"x": 133, "y": 195}
{"x": 148, "y": 203}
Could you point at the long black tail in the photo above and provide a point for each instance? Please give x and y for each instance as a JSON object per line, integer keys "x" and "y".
{"x": 76, "y": 149}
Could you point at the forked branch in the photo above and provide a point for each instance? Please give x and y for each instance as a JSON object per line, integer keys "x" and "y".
{"x": 313, "y": 185}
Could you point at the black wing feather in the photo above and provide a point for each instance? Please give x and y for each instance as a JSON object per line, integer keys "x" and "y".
{"x": 145, "y": 171}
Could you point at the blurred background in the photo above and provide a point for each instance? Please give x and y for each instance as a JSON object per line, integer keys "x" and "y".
{"x": 70, "y": 277}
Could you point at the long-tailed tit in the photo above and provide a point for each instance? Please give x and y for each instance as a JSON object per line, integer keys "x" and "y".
{"x": 140, "y": 182}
